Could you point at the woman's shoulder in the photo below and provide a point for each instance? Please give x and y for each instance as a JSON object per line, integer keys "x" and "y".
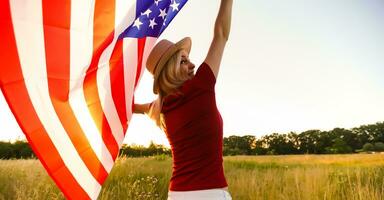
{"x": 204, "y": 80}
{"x": 204, "y": 76}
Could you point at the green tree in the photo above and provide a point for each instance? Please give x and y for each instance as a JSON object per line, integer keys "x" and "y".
{"x": 325, "y": 140}
{"x": 308, "y": 141}
{"x": 347, "y": 136}
{"x": 362, "y": 136}
{"x": 375, "y": 132}
{"x": 368, "y": 147}
{"x": 260, "y": 147}
{"x": 339, "y": 146}
{"x": 22, "y": 150}
{"x": 239, "y": 145}
{"x": 280, "y": 143}
{"x": 378, "y": 146}
{"x": 6, "y": 151}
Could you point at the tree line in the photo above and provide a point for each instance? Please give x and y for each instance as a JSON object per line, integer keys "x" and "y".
{"x": 366, "y": 138}
{"x": 20, "y": 149}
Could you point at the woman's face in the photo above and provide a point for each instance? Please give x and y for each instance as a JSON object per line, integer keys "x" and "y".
{"x": 186, "y": 66}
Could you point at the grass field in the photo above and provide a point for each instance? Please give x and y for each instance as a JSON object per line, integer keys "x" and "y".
{"x": 312, "y": 177}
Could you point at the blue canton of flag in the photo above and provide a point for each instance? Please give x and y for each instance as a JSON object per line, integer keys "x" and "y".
{"x": 152, "y": 17}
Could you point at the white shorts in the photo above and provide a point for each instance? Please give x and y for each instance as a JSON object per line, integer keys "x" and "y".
{"x": 211, "y": 194}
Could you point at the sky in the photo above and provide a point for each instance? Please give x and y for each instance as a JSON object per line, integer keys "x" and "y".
{"x": 288, "y": 66}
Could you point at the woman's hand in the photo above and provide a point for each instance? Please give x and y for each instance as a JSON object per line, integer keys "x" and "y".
{"x": 141, "y": 108}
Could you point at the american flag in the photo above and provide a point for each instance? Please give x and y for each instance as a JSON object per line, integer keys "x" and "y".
{"x": 69, "y": 70}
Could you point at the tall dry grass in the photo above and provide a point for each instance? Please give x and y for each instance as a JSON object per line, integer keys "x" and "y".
{"x": 306, "y": 177}
{"x": 26, "y": 179}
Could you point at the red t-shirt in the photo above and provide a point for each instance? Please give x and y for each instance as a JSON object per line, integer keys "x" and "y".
{"x": 194, "y": 129}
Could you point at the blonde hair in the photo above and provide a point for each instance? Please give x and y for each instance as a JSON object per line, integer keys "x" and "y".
{"x": 170, "y": 79}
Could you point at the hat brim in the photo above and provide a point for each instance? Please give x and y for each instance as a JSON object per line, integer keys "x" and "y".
{"x": 183, "y": 44}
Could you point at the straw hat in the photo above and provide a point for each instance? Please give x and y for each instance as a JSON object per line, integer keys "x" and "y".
{"x": 160, "y": 55}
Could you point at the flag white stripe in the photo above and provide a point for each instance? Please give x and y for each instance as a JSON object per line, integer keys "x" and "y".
{"x": 149, "y": 43}
{"x": 81, "y": 47}
{"x": 27, "y": 19}
{"x": 103, "y": 75}
{"x": 130, "y": 68}
{"x": 124, "y": 15}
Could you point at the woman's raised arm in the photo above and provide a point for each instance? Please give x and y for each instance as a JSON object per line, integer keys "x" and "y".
{"x": 220, "y": 37}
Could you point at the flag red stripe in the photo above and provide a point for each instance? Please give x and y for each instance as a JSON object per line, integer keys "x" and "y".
{"x": 56, "y": 17}
{"x": 103, "y": 35}
{"x": 116, "y": 65}
{"x": 14, "y": 88}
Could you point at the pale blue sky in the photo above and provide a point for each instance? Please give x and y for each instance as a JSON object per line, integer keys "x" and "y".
{"x": 288, "y": 66}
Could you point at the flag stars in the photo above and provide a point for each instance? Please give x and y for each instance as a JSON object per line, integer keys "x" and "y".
{"x": 151, "y": 20}
{"x": 147, "y": 12}
{"x": 152, "y": 23}
{"x": 137, "y": 23}
{"x": 175, "y": 6}
{"x": 162, "y": 13}
{"x": 157, "y": 2}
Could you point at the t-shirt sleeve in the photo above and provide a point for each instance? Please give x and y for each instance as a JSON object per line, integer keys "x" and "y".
{"x": 204, "y": 77}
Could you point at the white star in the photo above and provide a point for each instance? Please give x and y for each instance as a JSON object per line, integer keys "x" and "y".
{"x": 175, "y": 6}
{"x": 137, "y": 23}
{"x": 157, "y": 2}
{"x": 162, "y": 13}
{"x": 152, "y": 23}
{"x": 147, "y": 12}
{"x": 164, "y": 22}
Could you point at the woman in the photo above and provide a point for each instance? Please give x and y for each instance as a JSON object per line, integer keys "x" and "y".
{"x": 186, "y": 111}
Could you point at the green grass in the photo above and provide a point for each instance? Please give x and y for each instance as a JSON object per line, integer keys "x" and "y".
{"x": 312, "y": 177}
